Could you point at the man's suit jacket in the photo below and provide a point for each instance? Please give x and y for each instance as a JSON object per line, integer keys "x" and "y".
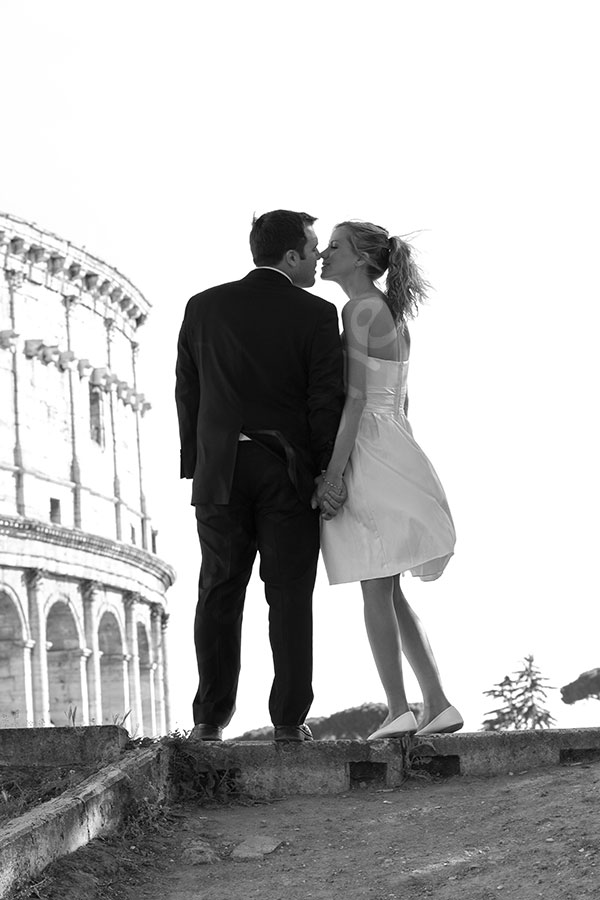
{"x": 263, "y": 357}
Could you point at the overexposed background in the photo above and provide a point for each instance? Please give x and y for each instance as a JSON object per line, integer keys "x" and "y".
{"x": 150, "y": 134}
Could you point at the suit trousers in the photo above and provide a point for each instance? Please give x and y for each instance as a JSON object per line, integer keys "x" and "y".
{"x": 264, "y": 515}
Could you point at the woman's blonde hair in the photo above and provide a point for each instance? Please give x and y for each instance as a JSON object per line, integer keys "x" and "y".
{"x": 405, "y": 287}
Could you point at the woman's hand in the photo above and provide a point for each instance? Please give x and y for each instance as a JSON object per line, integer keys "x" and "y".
{"x": 328, "y": 497}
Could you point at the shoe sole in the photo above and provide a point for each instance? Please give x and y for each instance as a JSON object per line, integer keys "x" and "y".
{"x": 391, "y": 737}
{"x": 450, "y": 729}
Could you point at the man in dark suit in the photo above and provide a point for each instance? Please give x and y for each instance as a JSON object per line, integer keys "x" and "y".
{"x": 259, "y": 397}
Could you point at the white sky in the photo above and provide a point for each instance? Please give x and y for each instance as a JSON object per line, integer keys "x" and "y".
{"x": 151, "y": 133}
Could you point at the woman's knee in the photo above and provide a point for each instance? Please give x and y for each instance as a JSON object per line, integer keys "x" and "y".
{"x": 377, "y": 588}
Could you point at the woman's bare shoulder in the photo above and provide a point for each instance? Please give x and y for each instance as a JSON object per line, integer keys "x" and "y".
{"x": 372, "y": 304}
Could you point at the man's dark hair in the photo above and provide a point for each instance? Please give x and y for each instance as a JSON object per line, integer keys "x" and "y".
{"x": 276, "y": 232}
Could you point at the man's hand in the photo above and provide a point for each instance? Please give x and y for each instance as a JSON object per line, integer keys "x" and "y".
{"x": 327, "y": 498}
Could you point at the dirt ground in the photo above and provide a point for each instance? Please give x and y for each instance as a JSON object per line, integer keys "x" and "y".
{"x": 521, "y": 836}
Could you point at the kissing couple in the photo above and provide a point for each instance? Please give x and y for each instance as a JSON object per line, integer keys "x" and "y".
{"x": 296, "y": 440}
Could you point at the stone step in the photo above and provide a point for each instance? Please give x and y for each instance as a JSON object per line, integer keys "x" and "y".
{"x": 93, "y": 807}
{"x": 63, "y": 746}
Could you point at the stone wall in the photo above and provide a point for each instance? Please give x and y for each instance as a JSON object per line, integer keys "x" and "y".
{"x": 82, "y": 595}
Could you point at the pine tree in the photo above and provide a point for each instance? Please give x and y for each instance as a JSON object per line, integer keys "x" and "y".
{"x": 522, "y": 698}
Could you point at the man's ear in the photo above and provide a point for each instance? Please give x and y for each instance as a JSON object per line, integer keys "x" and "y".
{"x": 291, "y": 257}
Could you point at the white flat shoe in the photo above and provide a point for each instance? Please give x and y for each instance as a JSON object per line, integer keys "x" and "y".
{"x": 403, "y": 725}
{"x": 448, "y": 720}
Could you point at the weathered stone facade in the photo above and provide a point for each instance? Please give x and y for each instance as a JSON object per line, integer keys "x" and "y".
{"x": 82, "y": 592}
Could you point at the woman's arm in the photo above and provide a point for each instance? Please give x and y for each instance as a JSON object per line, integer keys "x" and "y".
{"x": 357, "y": 316}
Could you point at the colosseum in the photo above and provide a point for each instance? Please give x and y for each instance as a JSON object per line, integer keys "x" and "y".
{"x": 82, "y": 592}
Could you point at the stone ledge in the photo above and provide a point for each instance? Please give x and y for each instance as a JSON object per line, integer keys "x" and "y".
{"x": 63, "y": 746}
{"x": 32, "y": 841}
{"x": 265, "y": 770}
{"x": 22, "y": 528}
{"x": 501, "y": 752}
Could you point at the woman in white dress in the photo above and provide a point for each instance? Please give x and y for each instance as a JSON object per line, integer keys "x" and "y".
{"x": 396, "y": 518}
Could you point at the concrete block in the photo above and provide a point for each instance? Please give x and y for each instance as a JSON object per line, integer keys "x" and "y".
{"x": 500, "y": 752}
{"x": 266, "y": 770}
{"x": 63, "y": 746}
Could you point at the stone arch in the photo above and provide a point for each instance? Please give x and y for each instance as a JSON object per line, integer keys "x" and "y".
{"x": 146, "y": 678}
{"x": 114, "y": 687}
{"x": 14, "y": 598}
{"x": 66, "y": 658}
{"x": 71, "y": 610}
{"x": 14, "y": 674}
{"x": 109, "y": 605}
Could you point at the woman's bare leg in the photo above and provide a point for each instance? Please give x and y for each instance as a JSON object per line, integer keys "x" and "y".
{"x": 417, "y": 649}
{"x": 384, "y": 637}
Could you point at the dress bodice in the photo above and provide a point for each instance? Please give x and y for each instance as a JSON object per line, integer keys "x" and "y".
{"x": 386, "y": 385}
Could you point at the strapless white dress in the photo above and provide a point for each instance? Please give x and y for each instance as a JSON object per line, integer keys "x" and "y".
{"x": 396, "y": 518}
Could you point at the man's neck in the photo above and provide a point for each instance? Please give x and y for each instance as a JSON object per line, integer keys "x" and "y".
{"x": 275, "y": 269}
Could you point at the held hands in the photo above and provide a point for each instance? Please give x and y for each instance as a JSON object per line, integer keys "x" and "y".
{"x": 328, "y": 497}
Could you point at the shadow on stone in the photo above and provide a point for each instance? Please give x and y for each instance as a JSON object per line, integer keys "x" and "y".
{"x": 439, "y": 766}
{"x": 572, "y": 756}
{"x": 367, "y": 774}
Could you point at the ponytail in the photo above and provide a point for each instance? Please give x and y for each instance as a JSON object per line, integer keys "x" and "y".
{"x": 405, "y": 287}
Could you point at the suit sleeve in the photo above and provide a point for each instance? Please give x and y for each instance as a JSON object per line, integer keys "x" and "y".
{"x": 325, "y": 396}
{"x": 187, "y": 399}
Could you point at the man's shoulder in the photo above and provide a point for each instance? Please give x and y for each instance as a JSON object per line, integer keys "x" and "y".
{"x": 215, "y": 290}
{"x": 249, "y": 284}
{"x": 313, "y": 300}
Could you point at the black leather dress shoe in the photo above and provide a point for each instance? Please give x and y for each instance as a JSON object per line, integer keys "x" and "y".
{"x": 206, "y": 733}
{"x": 293, "y": 733}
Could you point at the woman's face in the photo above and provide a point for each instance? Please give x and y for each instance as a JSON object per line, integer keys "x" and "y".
{"x": 339, "y": 259}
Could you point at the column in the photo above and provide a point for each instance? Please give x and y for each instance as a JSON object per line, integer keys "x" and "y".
{"x": 164, "y": 619}
{"x": 151, "y": 725}
{"x": 127, "y": 705}
{"x": 33, "y": 579}
{"x": 159, "y": 687}
{"x": 91, "y": 596}
{"x": 143, "y": 510}
{"x": 68, "y": 302}
{"x": 27, "y": 671}
{"x": 131, "y": 600}
{"x": 109, "y": 325}
{"x": 84, "y": 654}
{"x": 15, "y": 282}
